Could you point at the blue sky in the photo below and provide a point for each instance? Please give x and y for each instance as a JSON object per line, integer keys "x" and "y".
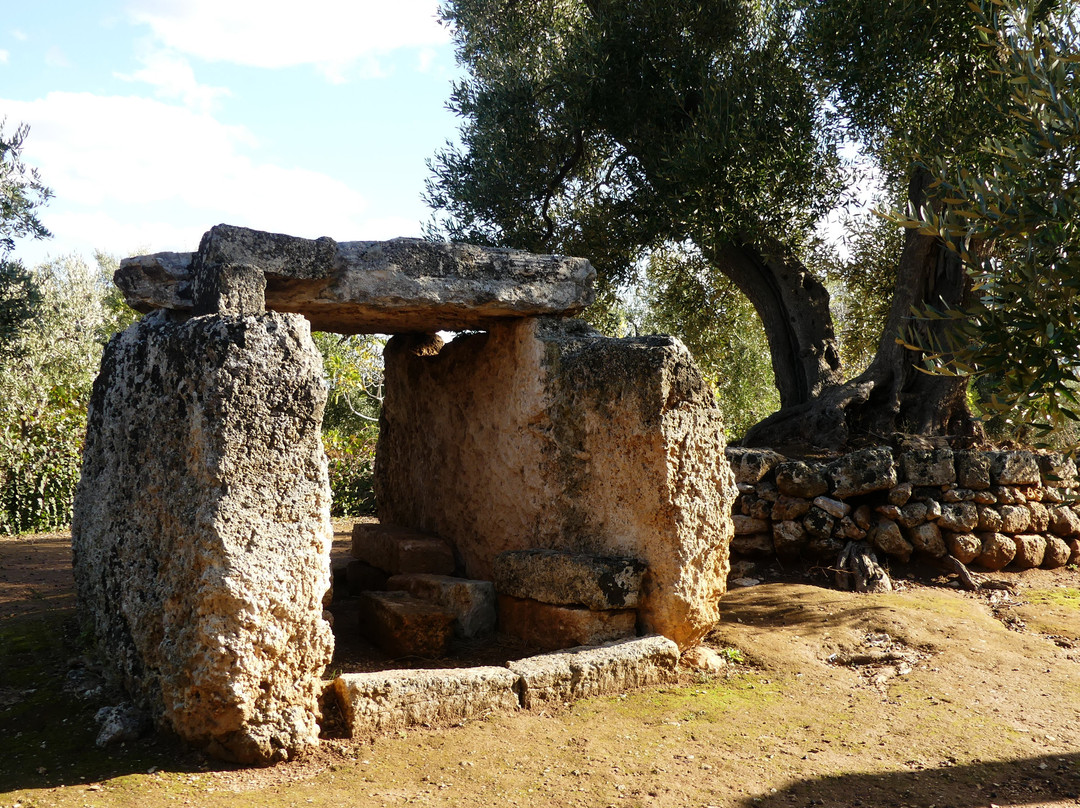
{"x": 153, "y": 120}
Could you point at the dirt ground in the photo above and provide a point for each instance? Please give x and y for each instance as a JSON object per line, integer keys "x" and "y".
{"x": 927, "y": 696}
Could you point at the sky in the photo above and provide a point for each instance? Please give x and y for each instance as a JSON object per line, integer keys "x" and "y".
{"x": 153, "y": 120}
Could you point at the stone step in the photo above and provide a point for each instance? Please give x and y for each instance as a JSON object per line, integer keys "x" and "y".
{"x": 551, "y": 627}
{"x": 380, "y": 701}
{"x": 403, "y": 625}
{"x": 569, "y": 579}
{"x": 584, "y": 672}
{"x": 399, "y": 550}
{"x": 361, "y": 576}
{"x": 471, "y": 602}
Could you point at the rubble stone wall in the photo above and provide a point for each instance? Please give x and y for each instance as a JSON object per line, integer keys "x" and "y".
{"x": 990, "y": 508}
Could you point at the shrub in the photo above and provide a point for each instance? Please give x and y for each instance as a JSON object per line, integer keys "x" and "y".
{"x": 352, "y": 464}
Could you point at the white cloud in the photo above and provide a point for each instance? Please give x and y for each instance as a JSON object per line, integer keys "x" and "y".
{"x": 55, "y": 57}
{"x": 4, "y": 56}
{"x": 18, "y": 34}
{"x": 121, "y": 165}
{"x": 332, "y": 35}
{"x": 172, "y": 77}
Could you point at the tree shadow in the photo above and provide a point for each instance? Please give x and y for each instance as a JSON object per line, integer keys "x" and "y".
{"x": 1030, "y": 781}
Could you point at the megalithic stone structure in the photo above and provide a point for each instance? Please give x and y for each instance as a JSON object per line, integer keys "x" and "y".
{"x": 201, "y": 531}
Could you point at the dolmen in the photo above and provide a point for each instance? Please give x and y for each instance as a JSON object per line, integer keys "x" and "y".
{"x": 201, "y": 532}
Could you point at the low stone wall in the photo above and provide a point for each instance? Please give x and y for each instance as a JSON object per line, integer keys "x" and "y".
{"x": 991, "y": 508}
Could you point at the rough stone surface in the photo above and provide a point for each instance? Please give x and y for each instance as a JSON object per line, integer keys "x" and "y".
{"x": 863, "y": 472}
{"x": 1030, "y": 550}
{"x": 965, "y": 547}
{"x": 973, "y": 470}
{"x": 818, "y": 523}
{"x": 1014, "y": 468}
{"x": 551, "y": 627}
{"x": 833, "y": 507}
{"x": 959, "y": 517}
{"x": 912, "y": 514}
{"x": 1074, "y": 551}
{"x": 381, "y": 701}
{"x": 745, "y": 525}
{"x": 755, "y": 545}
{"x": 886, "y": 536}
{"x": 569, "y": 579}
{"x": 401, "y": 551}
{"x": 998, "y": 551}
{"x": 201, "y": 530}
{"x": 703, "y": 658}
{"x": 1014, "y": 518}
{"x": 1057, "y": 553}
{"x": 544, "y": 434}
{"x": 398, "y": 286}
{"x": 1064, "y": 522}
{"x": 928, "y": 466}
{"x": 471, "y": 602}
{"x": 990, "y": 520}
{"x": 798, "y": 479}
{"x": 900, "y": 495}
{"x": 751, "y": 465}
{"x": 788, "y": 538}
{"x": 586, "y": 672}
{"x": 403, "y": 625}
{"x": 787, "y": 508}
{"x": 1040, "y": 517}
{"x": 1057, "y": 470}
{"x": 927, "y": 539}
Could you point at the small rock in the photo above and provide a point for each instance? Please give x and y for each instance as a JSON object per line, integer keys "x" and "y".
{"x": 1057, "y": 553}
{"x": 125, "y": 722}
{"x": 788, "y": 539}
{"x": 990, "y": 520}
{"x": 914, "y": 513}
{"x": 998, "y": 550}
{"x": 864, "y": 516}
{"x": 1014, "y": 518}
{"x": 933, "y": 509}
{"x": 745, "y": 525}
{"x": 1040, "y": 516}
{"x": 900, "y": 494}
{"x": 889, "y": 511}
{"x": 927, "y": 538}
{"x": 965, "y": 547}
{"x": 886, "y": 536}
{"x": 755, "y": 545}
{"x": 787, "y": 508}
{"x": 798, "y": 479}
{"x": 984, "y": 498}
{"x": 850, "y": 530}
{"x": 863, "y": 472}
{"x": 745, "y": 582}
{"x": 1064, "y": 522}
{"x": 818, "y": 523}
{"x": 833, "y": 507}
{"x": 959, "y": 517}
{"x": 1030, "y": 550}
{"x": 703, "y": 658}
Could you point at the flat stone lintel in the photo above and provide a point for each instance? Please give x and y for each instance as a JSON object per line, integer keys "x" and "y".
{"x": 403, "y": 285}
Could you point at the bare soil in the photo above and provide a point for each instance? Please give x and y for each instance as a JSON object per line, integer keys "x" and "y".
{"x": 926, "y": 696}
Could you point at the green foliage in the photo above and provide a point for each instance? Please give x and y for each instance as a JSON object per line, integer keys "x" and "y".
{"x": 21, "y": 192}
{"x": 353, "y": 367}
{"x": 351, "y": 456}
{"x": 48, "y": 369}
{"x": 1016, "y": 224}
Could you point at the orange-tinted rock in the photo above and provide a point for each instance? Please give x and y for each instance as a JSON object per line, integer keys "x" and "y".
{"x": 402, "y": 625}
{"x": 552, "y": 627}
{"x": 400, "y": 551}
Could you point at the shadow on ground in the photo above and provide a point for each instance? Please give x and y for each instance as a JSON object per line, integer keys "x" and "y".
{"x": 1029, "y": 782}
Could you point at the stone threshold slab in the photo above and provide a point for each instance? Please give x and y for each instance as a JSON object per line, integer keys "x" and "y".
{"x": 381, "y": 701}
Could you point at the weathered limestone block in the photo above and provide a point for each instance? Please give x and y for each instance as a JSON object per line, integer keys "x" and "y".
{"x": 586, "y": 672}
{"x": 990, "y": 520}
{"x": 569, "y": 579}
{"x": 998, "y": 551}
{"x": 1040, "y": 517}
{"x": 401, "y": 551}
{"x": 382, "y": 701}
{"x": 402, "y": 625}
{"x": 798, "y": 479}
{"x": 886, "y": 536}
{"x": 912, "y": 514}
{"x": 542, "y": 433}
{"x": 399, "y": 286}
{"x": 1057, "y": 470}
{"x": 471, "y": 602}
{"x": 754, "y": 545}
{"x": 745, "y": 525}
{"x": 928, "y": 466}
{"x": 900, "y": 495}
{"x": 1057, "y": 553}
{"x": 818, "y": 523}
{"x": 1030, "y": 549}
{"x": 973, "y": 470}
{"x": 959, "y": 517}
{"x": 863, "y": 472}
{"x": 834, "y": 507}
{"x": 756, "y": 507}
{"x": 927, "y": 539}
{"x": 965, "y": 547}
{"x": 201, "y": 531}
{"x": 751, "y": 465}
{"x": 551, "y": 627}
{"x": 1064, "y": 522}
{"x": 1015, "y": 468}
{"x": 788, "y": 538}
{"x": 787, "y": 509}
{"x": 1014, "y": 518}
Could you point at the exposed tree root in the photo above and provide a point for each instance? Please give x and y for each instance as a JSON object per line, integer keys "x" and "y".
{"x": 970, "y": 580}
{"x": 857, "y": 569}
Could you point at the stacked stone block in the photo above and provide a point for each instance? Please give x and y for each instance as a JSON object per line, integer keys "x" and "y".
{"x": 990, "y": 508}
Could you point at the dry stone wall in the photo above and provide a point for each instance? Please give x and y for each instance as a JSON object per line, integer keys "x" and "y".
{"x": 990, "y": 508}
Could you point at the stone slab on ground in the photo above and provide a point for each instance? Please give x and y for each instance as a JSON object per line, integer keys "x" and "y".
{"x": 584, "y": 672}
{"x": 381, "y": 701}
{"x": 403, "y": 625}
{"x": 404, "y": 285}
{"x": 401, "y": 551}
{"x": 569, "y": 579}
{"x": 471, "y": 602}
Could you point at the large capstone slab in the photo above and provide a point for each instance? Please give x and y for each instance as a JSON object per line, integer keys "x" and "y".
{"x": 201, "y": 530}
{"x": 543, "y": 434}
{"x": 398, "y": 286}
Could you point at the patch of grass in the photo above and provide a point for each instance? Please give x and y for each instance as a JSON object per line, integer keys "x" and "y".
{"x": 1069, "y": 598}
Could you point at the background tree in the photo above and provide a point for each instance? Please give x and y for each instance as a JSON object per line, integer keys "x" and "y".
{"x": 609, "y": 130}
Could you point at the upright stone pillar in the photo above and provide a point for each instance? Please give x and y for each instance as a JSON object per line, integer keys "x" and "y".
{"x": 201, "y": 532}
